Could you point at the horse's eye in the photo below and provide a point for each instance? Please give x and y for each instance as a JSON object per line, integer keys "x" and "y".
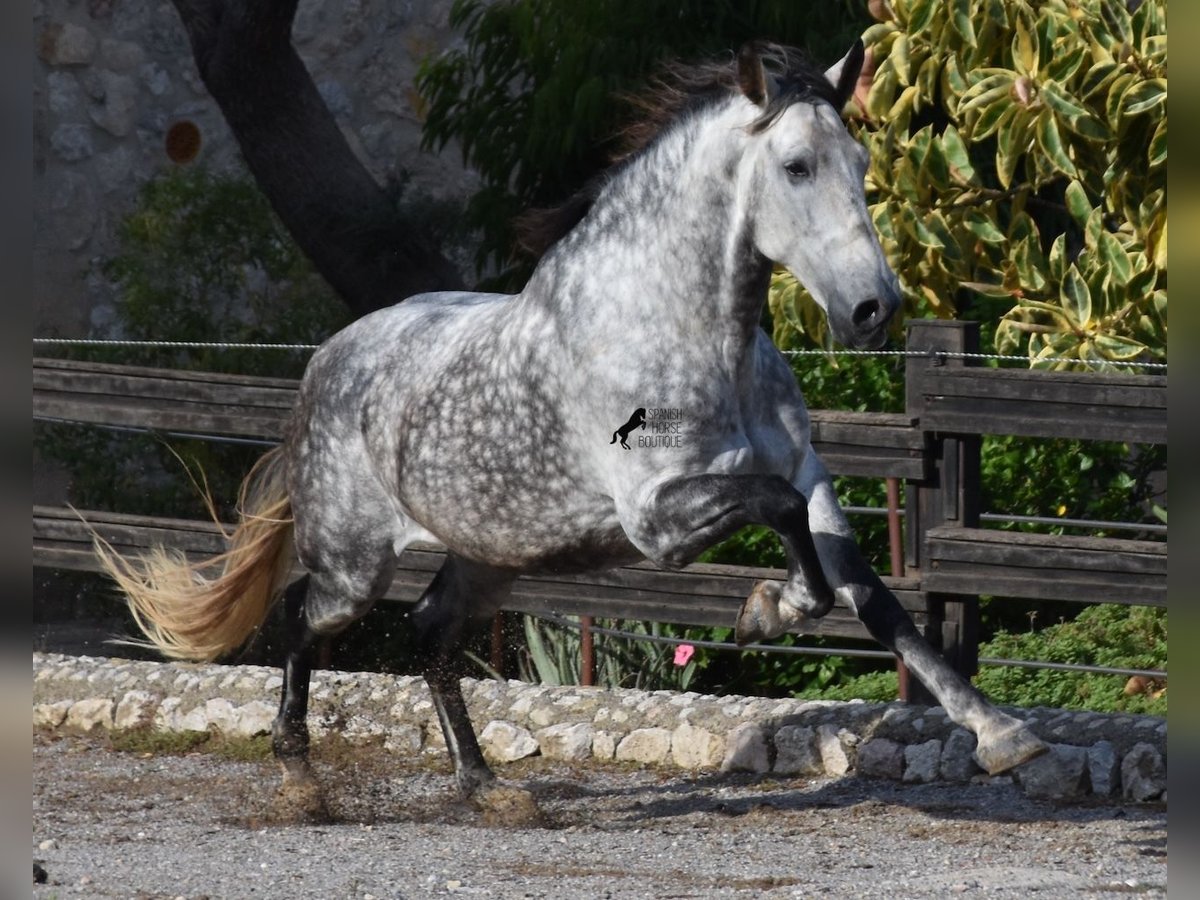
{"x": 798, "y": 169}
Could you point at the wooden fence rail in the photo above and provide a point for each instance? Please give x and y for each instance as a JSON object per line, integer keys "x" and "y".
{"x": 933, "y": 447}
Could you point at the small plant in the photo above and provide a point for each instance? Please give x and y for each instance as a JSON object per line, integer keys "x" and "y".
{"x": 553, "y": 655}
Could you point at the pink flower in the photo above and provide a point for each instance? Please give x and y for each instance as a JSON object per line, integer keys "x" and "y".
{"x": 683, "y": 652}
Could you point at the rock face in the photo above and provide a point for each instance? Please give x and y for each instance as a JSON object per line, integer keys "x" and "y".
{"x": 1123, "y": 755}
{"x": 107, "y": 87}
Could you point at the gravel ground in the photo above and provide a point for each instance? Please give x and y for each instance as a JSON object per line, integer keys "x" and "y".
{"x": 151, "y": 825}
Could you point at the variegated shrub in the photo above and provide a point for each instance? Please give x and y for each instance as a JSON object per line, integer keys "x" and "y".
{"x": 1019, "y": 150}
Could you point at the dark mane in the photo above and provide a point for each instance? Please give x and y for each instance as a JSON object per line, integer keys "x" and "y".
{"x": 676, "y": 92}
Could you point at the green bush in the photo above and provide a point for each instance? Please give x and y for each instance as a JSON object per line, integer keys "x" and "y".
{"x": 533, "y": 96}
{"x": 1019, "y": 153}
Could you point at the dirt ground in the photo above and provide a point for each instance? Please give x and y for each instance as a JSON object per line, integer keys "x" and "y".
{"x": 153, "y": 824}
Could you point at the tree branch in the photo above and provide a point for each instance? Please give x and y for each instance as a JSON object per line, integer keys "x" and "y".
{"x": 339, "y": 215}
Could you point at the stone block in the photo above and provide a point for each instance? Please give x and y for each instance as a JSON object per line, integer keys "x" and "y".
{"x": 958, "y": 757}
{"x": 881, "y": 758}
{"x": 571, "y": 741}
{"x": 505, "y": 742}
{"x": 66, "y": 44}
{"x": 696, "y": 748}
{"x": 922, "y": 762}
{"x": 649, "y": 746}
{"x": 95, "y": 712}
{"x": 1104, "y": 768}
{"x": 746, "y": 750}
{"x": 796, "y": 751}
{"x": 1143, "y": 773}
{"x": 1055, "y": 775}
{"x": 836, "y": 749}
{"x": 136, "y": 710}
{"x": 604, "y": 745}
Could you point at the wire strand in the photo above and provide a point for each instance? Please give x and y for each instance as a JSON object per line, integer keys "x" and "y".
{"x": 908, "y": 354}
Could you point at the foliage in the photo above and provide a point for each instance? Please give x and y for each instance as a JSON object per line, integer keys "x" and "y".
{"x": 1019, "y": 153}
{"x": 1102, "y": 635}
{"x": 201, "y": 258}
{"x": 532, "y": 95}
{"x": 553, "y": 655}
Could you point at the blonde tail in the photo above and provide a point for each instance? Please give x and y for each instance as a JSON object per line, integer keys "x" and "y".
{"x": 200, "y": 611}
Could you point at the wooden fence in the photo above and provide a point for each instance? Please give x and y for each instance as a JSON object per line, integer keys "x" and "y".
{"x": 942, "y": 565}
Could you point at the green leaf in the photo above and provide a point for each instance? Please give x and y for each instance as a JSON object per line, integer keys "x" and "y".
{"x": 957, "y": 156}
{"x": 992, "y": 117}
{"x": 899, "y": 58}
{"x": 1143, "y": 96}
{"x": 1050, "y": 141}
{"x": 1119, "y": 348}
{"x": 1112, "y": 103}
{"x": 1078, "y": 203}
{"x": 1025, "y": 47}
{"x": 983, "y": 227}
{"x": 1097, "y": 79}
{"x": 1157, "y": 154}
{"x": 1064, "y": 66}
{"x": 1076, "y": 298}
{"x": 1011, "y": 144}
{"x": 916, "y": 227}
{"x": 962, "y": 21}
{"x": 1070, "y": 110}
{"x": 987, "y": 90}
{"x": 920, "y": 14}
{"x": 1112, "y": 253}
{"x": 1058, "y": 258}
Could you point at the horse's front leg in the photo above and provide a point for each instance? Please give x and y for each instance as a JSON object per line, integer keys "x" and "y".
{"x": 1004, "y": 741}
{"x": 685, "y": 516}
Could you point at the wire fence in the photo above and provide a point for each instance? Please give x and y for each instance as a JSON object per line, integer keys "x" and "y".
{"x": 916, "y": 354}
{"x": 568, "y": 622}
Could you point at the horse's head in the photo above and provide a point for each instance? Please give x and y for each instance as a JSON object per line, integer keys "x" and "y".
{"x": 803, "y": 174}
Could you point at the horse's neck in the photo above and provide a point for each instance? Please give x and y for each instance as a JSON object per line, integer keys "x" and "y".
{"x": 665, "y": 247}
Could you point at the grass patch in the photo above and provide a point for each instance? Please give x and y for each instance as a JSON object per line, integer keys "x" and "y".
{"x": 177, "y": 743}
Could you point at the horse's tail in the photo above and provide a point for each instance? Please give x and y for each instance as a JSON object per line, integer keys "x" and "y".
{"x": 200, "y": 611}
{"x": 615, "y": 433}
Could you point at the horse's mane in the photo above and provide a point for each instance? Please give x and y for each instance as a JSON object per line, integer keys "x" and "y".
{"x": 674, "y": 93}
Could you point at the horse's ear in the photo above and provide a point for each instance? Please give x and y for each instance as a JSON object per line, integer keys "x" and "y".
{"x": 843, "y": 74}
{"x": 751, "y": 75}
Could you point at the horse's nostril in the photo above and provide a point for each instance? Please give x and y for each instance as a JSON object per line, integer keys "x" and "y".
{"x": 866, "y": 313}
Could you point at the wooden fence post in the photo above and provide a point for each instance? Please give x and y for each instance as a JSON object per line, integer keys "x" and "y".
{"x": 951, "y": 494}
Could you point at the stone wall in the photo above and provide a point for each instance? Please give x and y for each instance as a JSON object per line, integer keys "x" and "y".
{"x": 1091, "y": 753}
{"x": 112, "y": 76}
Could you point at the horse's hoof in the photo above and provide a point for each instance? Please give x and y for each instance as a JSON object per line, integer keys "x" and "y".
{"x": 762, "y": 616}
{"x": 1007, "y": 747}
{"x": 299, "y": 802}
{"x": 506, "y": 806}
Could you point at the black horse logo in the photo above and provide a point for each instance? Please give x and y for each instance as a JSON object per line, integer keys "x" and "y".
{"x": 637, "y": 420}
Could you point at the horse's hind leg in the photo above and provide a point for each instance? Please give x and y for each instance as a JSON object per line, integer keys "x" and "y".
{"x": 463, "y": 595}
{"x": 299, "y": 796}
{"x": 460, "y": 596}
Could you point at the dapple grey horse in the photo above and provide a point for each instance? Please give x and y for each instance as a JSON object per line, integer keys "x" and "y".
{"x": 484, "y": 422}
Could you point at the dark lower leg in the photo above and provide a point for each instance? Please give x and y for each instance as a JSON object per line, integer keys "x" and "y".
{"x": 471, "y": 772}
{"x": 441, "y": 618}
{"x": 289, "y": 733}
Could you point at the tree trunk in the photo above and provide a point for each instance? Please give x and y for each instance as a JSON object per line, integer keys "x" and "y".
{"x": 338, "y": 214}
